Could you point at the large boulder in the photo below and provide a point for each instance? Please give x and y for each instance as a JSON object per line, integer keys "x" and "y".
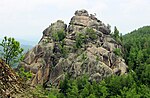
{"x": 81, "y": 13}
{"x": 83, "y": 19}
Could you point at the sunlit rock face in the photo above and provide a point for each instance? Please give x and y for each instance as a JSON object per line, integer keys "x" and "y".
{"x": 87, "y": 48}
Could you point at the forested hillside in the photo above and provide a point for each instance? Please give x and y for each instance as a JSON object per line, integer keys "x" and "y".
{"x": 137, "y": 53}
{"x": 82, "y": 60}
{"x": 137, "y": 42}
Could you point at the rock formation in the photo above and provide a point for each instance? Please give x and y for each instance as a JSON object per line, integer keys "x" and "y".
{"x": 9, "y": 81}
{"x": 84, "y": 47}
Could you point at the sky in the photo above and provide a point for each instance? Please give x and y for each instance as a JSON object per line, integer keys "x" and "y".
{"x": 26, "y": 19}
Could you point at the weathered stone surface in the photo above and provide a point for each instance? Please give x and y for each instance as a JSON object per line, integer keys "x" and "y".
{"x": 109, "y": 39}
{"x": 9, "y": 81}
{"x": 83, "y": 19}
{"x": 109, "y": 46}
{"x": 81, "y": 13}
{"x": 53, "y": 28}
{"x": 51, "y": 60}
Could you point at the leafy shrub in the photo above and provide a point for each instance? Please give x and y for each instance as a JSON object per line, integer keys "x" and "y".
{"x": 80, "y": 39}
{"x": 91, "y": 33}
{"x": 59, "y": 36}
{"x": 63, "y": 49}
{"x": 117, "y": 51}
{"x": 50, "y": 95}
{"x": 24, "y": 74}
{"x": 117, "y": 36}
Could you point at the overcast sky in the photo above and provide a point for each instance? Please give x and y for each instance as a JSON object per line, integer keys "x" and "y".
{"x": 26, "y": 19}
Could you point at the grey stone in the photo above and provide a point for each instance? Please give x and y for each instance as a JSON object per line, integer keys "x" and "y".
{"x": 95, "y": 57}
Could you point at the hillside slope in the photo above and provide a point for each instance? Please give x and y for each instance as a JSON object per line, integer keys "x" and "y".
{"x": 137, "y": 42}
{"x": 9, "y": 82}
{"x": 137, "y": 53}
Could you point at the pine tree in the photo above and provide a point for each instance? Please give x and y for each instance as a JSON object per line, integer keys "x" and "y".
{"x": 11, "y": 50}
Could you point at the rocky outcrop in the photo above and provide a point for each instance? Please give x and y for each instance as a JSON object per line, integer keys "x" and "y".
{"x": 82, "y": 19}
{"x": 84, "y": 47}
{"x": 9, "y": 81}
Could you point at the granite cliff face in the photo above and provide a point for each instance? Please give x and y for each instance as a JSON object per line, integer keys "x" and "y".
{"x": 84, "y": 47}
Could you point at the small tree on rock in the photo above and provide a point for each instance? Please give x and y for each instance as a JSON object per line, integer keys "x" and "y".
{"x": 116, "y": 35}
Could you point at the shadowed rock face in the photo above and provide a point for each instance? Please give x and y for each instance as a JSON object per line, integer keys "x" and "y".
{"x": 94, "y": 57}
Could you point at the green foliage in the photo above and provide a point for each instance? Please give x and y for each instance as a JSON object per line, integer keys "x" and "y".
{"x": 117, "y": 51}
{"x": 91, "y": 96}
{"x": 116, "y": 35}
{"x": 11, "y": 51}
{"x": 62, "y": 48}
{"x": 84, "y": 56}
{"x": 55, "y": 36}
{"x": 124, "y": 86}
{"x": 25, "y": 75}
{"x": 91, "y": 33}
{"x": 59, "y": 36}
{"x": 97, "y": 58}
{"x": 144, "y": 91}
{"x": 80, "y": 39}
{"x": 137, "y": 53}
{"x": 143, "y": 72}
{"x": 117, "y": 83}
{"x": 50, "y": 95}
{"x": 39, "y": 92}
